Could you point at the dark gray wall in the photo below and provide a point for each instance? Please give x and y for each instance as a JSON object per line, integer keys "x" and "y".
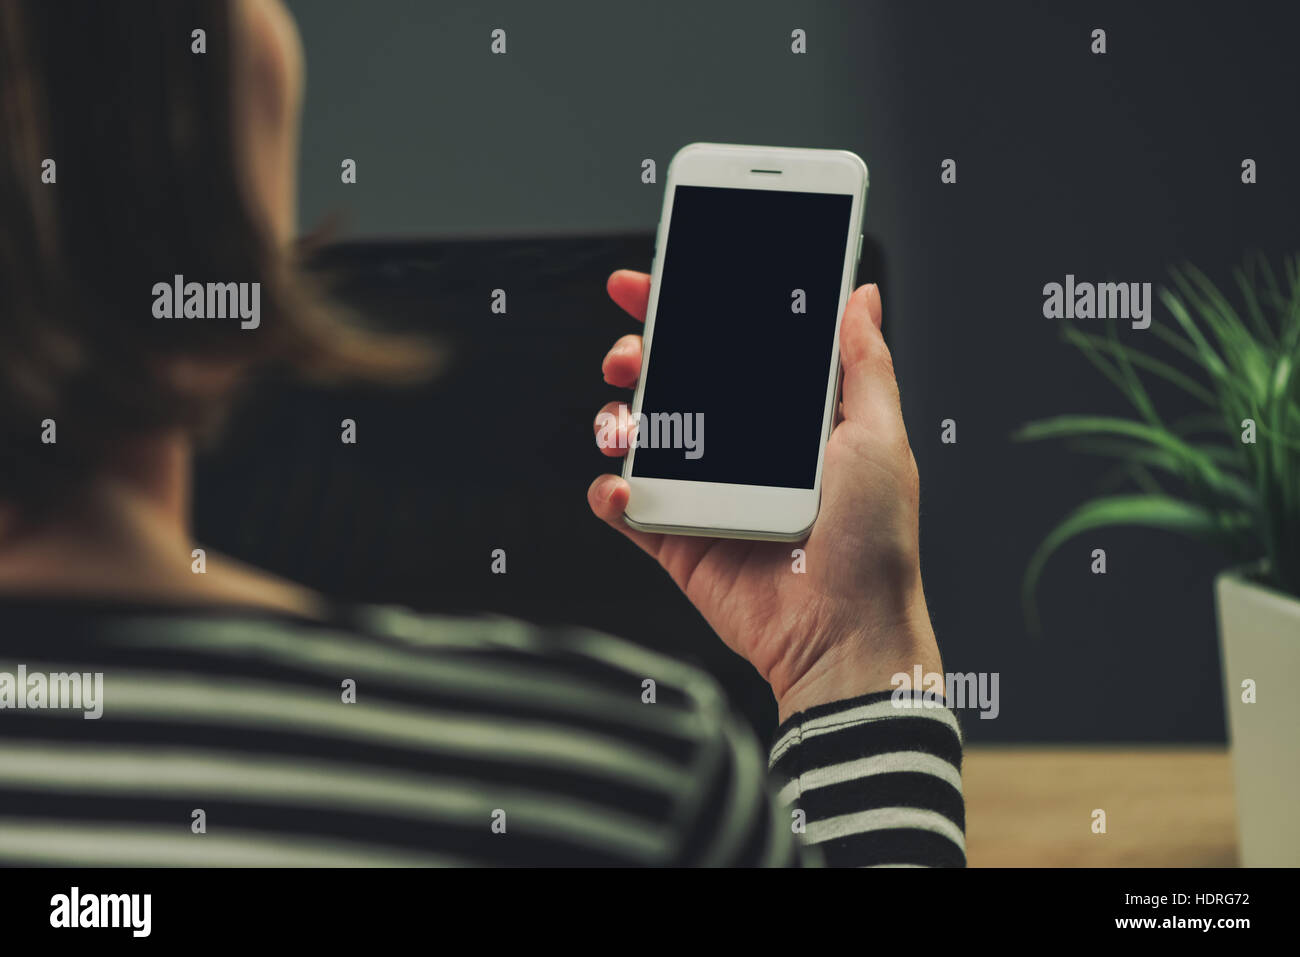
{"x": 550, "y": 137}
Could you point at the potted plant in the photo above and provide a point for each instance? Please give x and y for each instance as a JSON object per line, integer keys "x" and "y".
{"x": 1229, "y": 474}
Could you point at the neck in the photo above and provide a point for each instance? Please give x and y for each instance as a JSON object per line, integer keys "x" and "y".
{"x": 151, "y": 475}
{"x": 127, "y": 535}
{"x": 138, "y": 503}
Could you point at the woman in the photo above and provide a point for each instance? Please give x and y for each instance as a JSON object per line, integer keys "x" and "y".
{"x": 245, "y": 719}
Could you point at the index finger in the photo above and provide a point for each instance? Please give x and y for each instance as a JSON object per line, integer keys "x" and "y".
{"x": 631, "y": 290}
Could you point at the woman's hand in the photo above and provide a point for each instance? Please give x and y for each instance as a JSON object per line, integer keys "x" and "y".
{"x": 856, "y": 616}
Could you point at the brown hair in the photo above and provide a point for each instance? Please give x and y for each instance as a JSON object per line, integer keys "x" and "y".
{"x": 148, "y": 187}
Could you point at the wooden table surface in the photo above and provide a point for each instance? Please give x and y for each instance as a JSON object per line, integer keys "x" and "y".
{"x": 1033, "y": 806}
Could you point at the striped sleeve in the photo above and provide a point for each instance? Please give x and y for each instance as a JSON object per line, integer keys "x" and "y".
{"x": 878, "y": 781}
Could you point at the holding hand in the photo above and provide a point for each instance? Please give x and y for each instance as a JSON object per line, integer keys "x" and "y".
{"x": 857, "y": 615}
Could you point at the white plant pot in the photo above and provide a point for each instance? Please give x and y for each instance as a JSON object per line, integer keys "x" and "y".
{"x": 1259, "y": 633}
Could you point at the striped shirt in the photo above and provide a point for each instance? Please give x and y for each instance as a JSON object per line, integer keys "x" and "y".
{"x": 383, "y": 737}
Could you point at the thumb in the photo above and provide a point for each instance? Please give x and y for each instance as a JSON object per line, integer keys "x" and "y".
{"x": 870, "y": 390}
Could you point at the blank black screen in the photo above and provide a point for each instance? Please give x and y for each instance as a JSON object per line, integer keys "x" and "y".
{"x": 727, "y": 343}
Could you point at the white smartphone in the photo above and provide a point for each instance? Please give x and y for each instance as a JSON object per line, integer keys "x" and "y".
{"x": 755, "y": 255}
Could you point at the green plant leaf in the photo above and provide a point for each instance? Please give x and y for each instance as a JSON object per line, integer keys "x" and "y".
{"x": 1150, "y": 511}
{"x": 1143, "y": 361}
{"x": 1232, "y": 490}
{"x": 1245, "y": 283}
{"x": 1195, "y": 466}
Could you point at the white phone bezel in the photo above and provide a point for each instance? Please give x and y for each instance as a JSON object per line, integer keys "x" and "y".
{"x": 746, "y": 511}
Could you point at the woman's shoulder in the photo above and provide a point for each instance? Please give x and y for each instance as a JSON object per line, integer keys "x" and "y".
{"x": 386, "y": 652}
{"x": 416, "y": 731}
